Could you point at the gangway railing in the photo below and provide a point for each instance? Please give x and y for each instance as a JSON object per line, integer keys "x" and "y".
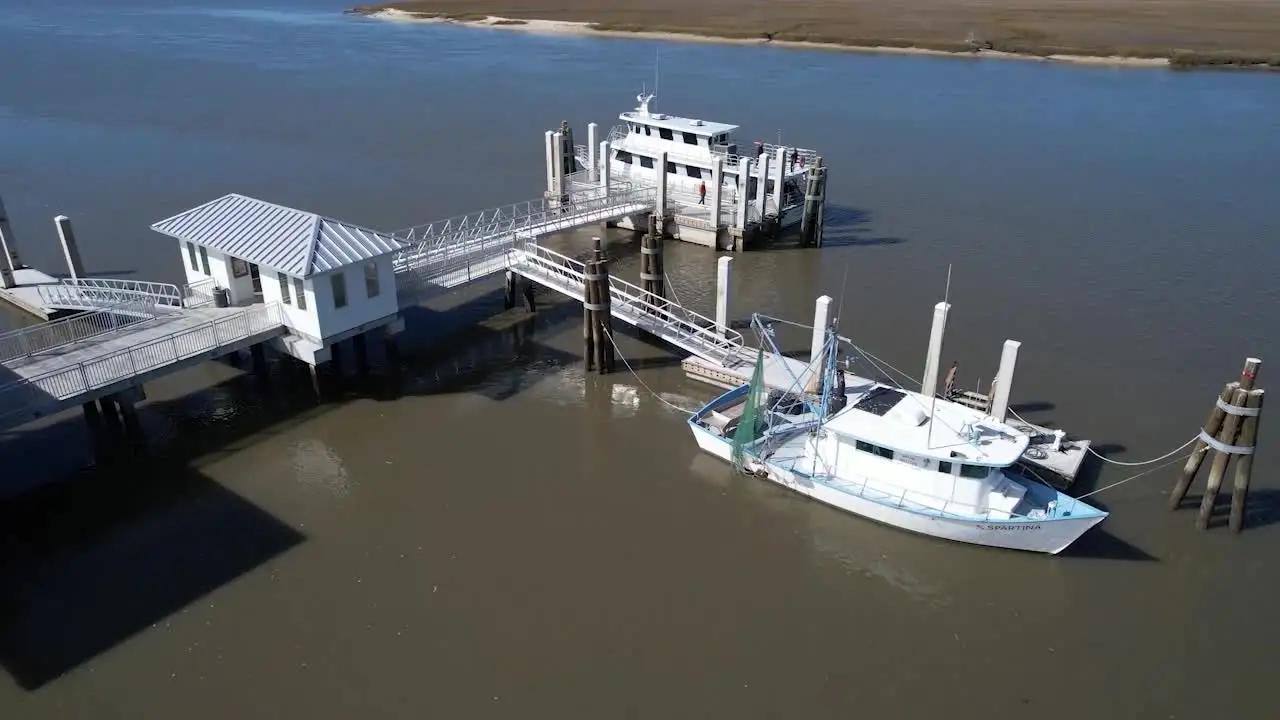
{"x": 28, "y": 341}
{"x": 65, "y": 383}
{"x": 199, "y": 293}
{"x": 675, "y": 324}
{"x": 104, "y": 293}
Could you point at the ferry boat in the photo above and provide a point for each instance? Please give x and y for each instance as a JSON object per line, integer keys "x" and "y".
{"x": 922, "y": 464}
{"x": 692, "y": 146}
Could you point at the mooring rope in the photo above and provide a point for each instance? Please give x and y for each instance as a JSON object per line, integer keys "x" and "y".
{"x": 1121, "y": 463}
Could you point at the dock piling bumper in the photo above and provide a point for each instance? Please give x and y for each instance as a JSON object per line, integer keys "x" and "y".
{"x": 1004, "y": 380}
{"x": 933, "y": 357}
{"x": 70, "y": 250}
{"x": 723, "y": 266}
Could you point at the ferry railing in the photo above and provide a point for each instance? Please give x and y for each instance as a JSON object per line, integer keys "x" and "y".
{"x": 66, "y": 383}
{"x": 535, "y": 216}
{"x": 684, "y": 327}
{"x": 28, "y": 341}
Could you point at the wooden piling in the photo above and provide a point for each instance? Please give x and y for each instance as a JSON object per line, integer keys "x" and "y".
{"x": 588, "y": 316}
{"x": 1226, "y": 439}
{"x": 605, "y": 354}
{"x": 1211, "y": 427}
{"x": 1244, "y": 464}
{"x": 812, "y": 207}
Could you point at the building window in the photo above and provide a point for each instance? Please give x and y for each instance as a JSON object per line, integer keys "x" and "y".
{"x": 371, "y": 288}
{"x": 299, "y": 291}
{"x": 284, "y": 288}
{"x": 339, "y": 282}
{"x": 690, "y": 139}
{"x": 204, "y": 260}
{"x": 646, "y": 162}
{"x": 975, "y": 472}
{"x": 191, "y": 253}
{"x": 624, "y": 156}
{"x": 665, "y": 134}
{"x": 693, "y": 171}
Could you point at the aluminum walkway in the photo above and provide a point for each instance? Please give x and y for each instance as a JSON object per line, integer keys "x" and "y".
{"x": 451, "y": 253}
{"x": 676, "y": 325}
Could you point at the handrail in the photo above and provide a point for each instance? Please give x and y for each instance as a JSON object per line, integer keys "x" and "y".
{"x": 902, "y": 499}
{"x": 101, "y": 293}
{"x": 34, "y": 339}
{"x": 502, "y": 220}
{"x": 689, "y": 326}
{"x": 198, "y": 293}
{"x": 74, "y": 380}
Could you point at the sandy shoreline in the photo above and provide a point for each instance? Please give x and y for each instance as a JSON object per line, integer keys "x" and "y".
{"x": 566, "y": 27}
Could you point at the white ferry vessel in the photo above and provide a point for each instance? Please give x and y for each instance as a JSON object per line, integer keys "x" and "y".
{"x": 922, "y": 464}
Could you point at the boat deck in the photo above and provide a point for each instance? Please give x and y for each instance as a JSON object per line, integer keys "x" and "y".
{"x": 1058, "y": 468}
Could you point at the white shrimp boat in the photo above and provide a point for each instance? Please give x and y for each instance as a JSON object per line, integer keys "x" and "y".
{"x": 922, "y": 464}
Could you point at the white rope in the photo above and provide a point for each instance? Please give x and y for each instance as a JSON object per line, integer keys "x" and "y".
{"x": 1133, "y": 477}
{"x": 648, "y": 389}
{"x": 1120, "y": 463}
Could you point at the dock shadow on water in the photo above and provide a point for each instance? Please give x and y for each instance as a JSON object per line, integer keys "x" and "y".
{"x": 844, "y": 226}
{"x": 91, "y": 560}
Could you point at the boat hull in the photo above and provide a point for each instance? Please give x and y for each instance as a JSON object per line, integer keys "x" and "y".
{"x": 1044, "y": 536}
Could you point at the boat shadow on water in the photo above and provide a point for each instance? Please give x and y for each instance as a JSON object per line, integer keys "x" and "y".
{"x": 844, "y": 226}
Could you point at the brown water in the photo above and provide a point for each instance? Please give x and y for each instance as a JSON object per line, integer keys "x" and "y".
{"x": 496, "y": 535}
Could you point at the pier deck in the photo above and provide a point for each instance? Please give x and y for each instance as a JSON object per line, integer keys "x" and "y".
{"x": 25, "y": 294}
{"x": 56, "y": 378}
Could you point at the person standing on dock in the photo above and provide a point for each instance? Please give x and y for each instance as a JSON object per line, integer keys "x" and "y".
{"x": 759, "y": 149}
{"x": 795, "y": 156}
{"x": 702, "y": 193}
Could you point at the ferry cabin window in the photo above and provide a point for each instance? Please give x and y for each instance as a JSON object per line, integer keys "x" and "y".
{"x": 671, "y": 168}
{"x": 339, "y": 284}
{"x": 944, "y": 467}
{"x": 976, "y": 472}
{"x": 690, "y": 138}
{"x": 191, "y": 253}
{"x": 693, "y": 171}
{"x": 624, "y": 156}
{"x": 647, "y": 130}
{"x": 665, "y": 134}
{"x": 299, "y": 292}
{"x": 284, "y": 288}
{"x": 646, "y": 162}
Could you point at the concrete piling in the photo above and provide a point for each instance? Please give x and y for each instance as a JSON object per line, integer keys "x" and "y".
{"x": 722, "y": 295}
{"x": 8, "y": 244}
{"x": 70, "y": 250}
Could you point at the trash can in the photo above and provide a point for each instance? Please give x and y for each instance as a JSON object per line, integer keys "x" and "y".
{"x": 221, "y": 297}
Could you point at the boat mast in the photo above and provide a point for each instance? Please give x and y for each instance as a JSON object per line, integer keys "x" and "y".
{"x": 933, "y": 400}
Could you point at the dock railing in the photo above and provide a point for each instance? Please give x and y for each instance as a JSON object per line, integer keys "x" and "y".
{"x": 33, "y": 339}
{"x": 65, "y": 383}
{"x": 106, "y": 293}
{"x": 198, "y": 293}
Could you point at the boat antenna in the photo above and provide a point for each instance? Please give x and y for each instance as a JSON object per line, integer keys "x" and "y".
{"x": 657, "y": 55}
{"x": 933, "y": 401}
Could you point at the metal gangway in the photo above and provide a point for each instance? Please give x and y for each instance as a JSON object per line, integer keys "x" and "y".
{"x": 125, "y": 333}
{"x": 679, "y": 326}
{"x": 447, "y": 254}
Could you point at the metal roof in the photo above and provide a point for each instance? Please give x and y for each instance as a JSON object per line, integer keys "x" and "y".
{"x": 293, "y": 242}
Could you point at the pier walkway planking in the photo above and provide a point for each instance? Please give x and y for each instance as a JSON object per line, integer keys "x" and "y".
{"x": 58, "y": 378}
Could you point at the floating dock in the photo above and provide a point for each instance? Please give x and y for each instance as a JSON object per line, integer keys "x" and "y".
{"x": 25, "y": 292}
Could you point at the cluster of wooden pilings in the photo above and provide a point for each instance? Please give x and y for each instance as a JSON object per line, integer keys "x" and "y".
{"x": 1231, "y": 430}
{"x": 597, "y": 317}
{"x": 652, "y": 273}
{"x": 815, "y": 195}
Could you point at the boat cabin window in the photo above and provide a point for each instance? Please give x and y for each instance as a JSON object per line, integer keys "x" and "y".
{"x": 646, "y": 162}
{"x": 873, "y": 449}
{"x": 671, "y": 168}
{"x": 665, "y": 134}
{"x": 693, "y": 171}
{"x": 624, "y": 156}
{"x": 976, "y": 472}
{"x": 944, "y": 467}
{"x": 690, "y": 139}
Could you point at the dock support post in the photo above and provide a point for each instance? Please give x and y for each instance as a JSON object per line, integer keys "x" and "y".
{"x": 1211, "y": 427}
{"x": 822, "y": 201}
{"x": 8, "y": 244}
{"x": 109, "y": 417}
{"x": 717, "y": 188}
{"x": 362, "y": 355}
{"x": 722, "y": 295}
{"x": 660, "y": 206}
{"x": 391, "y": 350}
{"x": 132, "y": 428}
{"x": 1004, "y": 380}
{"x": 588, "y": 317}
{"x": 550, "y": 148}
{"x": 592, "y": 163}
{"x": 604, "y": 166}
{"x": 70, "y": 250}
{"x": 509, "y": 294}
{"x": 811, "y": 220}
{"x": 557, "y": 168}
{"x": 1226, "y": 438}
{"x": 258, "y": 355}
{"x": 821, "y": 313}
{"x": 233, "y": 359}
{"x": 933, "y": 356}
{"x": 780, "y": 174}
{"x": 762, "y": 187}
{"x": 599, "y": 339}
{"x": 744, "y": 187}
{"x": 1244, "y": 465}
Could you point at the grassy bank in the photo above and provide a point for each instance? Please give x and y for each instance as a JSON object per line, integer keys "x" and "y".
{"x": 1185, "y": 33}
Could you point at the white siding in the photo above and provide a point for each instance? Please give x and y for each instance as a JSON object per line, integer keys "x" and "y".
{"x": 359, "y": 309}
